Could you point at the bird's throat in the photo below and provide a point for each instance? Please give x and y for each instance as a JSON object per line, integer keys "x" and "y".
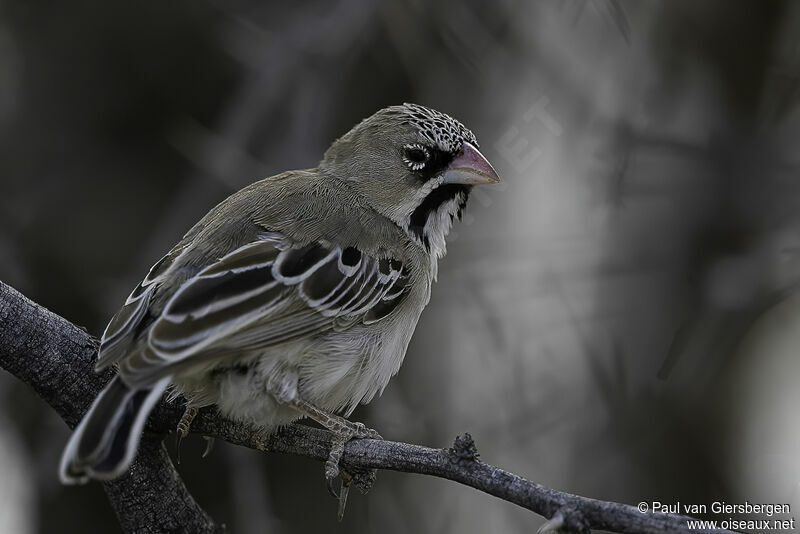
{"x": 431, "y": 221}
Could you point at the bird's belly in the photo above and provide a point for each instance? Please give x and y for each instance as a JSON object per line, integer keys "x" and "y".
{"x": 334, "y": 372}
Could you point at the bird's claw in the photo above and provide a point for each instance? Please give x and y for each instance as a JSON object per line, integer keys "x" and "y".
{"x": 567, "y": 520}
{"x": 343, "y": 431}
{"x": 329, "y": 485}
{"x": 209, "y": 446}
{"x": 362, "y": 432}
{"x": 332, "y": 470}
{"x": 344, "y": 489}
{"x": 554, "y": 525}
{"x": 178, "y": 439}
{"x": 335, "y": 454}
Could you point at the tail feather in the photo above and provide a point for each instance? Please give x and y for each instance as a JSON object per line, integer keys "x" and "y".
{"x": 104, "y": 444}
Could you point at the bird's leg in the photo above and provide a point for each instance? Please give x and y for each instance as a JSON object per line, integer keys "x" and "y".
{"x": 283, "y": 386}
{"x": 336, "y": 424}
{"x": 343, "y": 431}
{"x": 183, "y": 429}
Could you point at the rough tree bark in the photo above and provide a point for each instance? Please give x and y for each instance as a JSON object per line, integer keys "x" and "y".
{"x": 56, "y": 358}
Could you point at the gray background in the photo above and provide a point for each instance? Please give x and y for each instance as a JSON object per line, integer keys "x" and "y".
{"x": 617, "y": 319}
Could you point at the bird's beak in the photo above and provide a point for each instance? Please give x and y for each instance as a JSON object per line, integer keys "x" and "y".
{"x": 469, "y": 167}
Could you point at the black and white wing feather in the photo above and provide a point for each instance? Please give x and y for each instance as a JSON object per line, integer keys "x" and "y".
{"x": 122, "y": 330}
{"x": 262, "y": 294}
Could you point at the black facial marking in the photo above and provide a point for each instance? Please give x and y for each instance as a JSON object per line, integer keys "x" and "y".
{"x": 437, "y": 161}
{"x": 437, "y": 197}
{"x": 416, "y": 154}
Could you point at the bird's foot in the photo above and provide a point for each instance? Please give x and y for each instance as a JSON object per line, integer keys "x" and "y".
{"x": 363, "y": 479}
{"x": 343, "y": 431}
{"x": 183, "y": 429}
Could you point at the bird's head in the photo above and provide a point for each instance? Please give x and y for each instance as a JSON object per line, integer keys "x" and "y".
{"x": 414, "y": 165}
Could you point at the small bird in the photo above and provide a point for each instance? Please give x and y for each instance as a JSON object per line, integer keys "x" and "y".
{"x": 294, "y": 297}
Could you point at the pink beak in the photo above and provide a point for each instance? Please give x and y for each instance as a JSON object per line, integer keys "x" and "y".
{"x": 470, "y": 167}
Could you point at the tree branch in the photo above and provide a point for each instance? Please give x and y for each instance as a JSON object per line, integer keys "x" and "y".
{"x": 56, "y": 358}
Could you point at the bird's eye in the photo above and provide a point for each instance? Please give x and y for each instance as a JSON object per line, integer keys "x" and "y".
{"x": 416, "y": 156}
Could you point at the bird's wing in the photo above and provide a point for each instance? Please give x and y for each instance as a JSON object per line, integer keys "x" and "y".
{"x": 262, "y": 294}
{"x": 133, "y": 317}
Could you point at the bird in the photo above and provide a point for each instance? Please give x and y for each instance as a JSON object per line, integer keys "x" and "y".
{"x": 294, "y": 297}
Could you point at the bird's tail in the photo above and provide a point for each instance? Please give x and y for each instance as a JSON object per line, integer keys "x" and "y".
{"x": 104, "y": 443}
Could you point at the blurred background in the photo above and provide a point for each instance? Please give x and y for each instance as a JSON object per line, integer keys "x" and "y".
{"x": 617, "y": 319}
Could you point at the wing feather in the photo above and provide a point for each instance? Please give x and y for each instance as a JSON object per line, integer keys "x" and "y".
{"x": 123, "y": 328}
{"x": 262, "y": 294}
